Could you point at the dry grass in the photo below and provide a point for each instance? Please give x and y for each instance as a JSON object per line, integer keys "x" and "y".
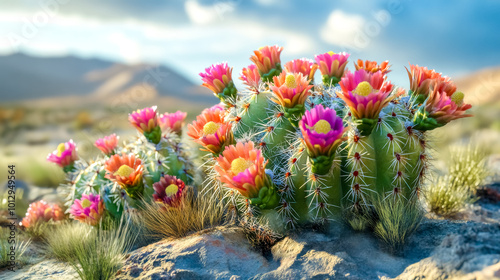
{"x": 64, "y": 240}
{"x": 195, "y": 214}
{"x": 446, "y": 197}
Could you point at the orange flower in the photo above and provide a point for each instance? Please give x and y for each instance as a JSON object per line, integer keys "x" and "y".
{"x": 126, "y": 170}
{"x": 291, "y": 89}
{"x": 305, "y": 66}
{"x": 423, "y": 81}
{"x": 242, "y": 167}
{"x": 372, "y": 66}
{"x": 211, "y": 130}
{"x": 267, "y": 59}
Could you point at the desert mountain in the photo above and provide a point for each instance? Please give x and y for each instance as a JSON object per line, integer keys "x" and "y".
{"x": 25, "y": 77}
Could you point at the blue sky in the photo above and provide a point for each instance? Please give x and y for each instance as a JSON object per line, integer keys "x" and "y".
{"x": 453, "y": 37}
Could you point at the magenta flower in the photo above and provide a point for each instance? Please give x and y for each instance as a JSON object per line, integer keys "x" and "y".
{"x": 146, "y": 122}
{"x": 172, "y": 122}
{"x": 89, "y": 209}
{"x": 251, "y": 77}
{"x": 332, "y": 66}
{"x": 218, "y": 79}
{"x": 107, "y": 144}
{"x": 322, "y": 132}
{"x": 64, "y": 156}
{"x": 304, "y": 66}
{"x": 169, "y": 190}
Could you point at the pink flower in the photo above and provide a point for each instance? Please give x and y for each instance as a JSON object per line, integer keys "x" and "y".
{"x": 251, "y": 77}
{"x": 65, "y": 155}
{"x": 365, "y": 93}
{"x": 439, "y": 109}
{"x": 322, "y": 130}
{"x": 42, "y": 212}
{"x": 218, "y": 79}
{"x": 107, "y": 144}
{"x": 172, "y": 122}
{"x": 268, "y": 61}
{"x": 242, "y": 168}
{"x": 332, "y": 66}
{"x": 146, "y": 122}
{"x": 304, "y": 66}
{"x": 89, "y": 209}
{"x": 169, "y": 190}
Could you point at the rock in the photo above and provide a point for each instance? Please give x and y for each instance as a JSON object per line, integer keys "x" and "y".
{"x": 47, "y": 269}
{"x": 223, "y": 254}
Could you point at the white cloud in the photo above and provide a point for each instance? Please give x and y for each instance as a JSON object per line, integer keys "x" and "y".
{"x": 343, "y": 29}
{"x": 199, "y": 14}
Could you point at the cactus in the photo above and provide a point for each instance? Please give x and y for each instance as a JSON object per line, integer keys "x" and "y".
{"x": 125, "y": 175}
{"x": 294, "y": 152}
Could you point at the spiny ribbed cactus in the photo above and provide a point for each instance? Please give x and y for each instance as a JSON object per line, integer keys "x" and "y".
{"x": 292, "y": 152}
{"x": 127, "y": 174}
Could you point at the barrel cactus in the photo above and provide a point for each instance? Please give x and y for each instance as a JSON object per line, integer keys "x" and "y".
{"x": 125, "y": 174}
{"x": 290, "y": 151}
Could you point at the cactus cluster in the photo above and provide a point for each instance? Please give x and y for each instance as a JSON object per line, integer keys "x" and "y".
{"x": 284, "y": 152}
{"x": 291, "y": 151}
{"x": 127, "y": 174}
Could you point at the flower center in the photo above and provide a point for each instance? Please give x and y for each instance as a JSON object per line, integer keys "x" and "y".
{"x": 458, "y": 98}
{"x": 86, "y": 203}
{"x": 331, "y": 53}
{"x": 290, "y": 81}
{"x": 239, "y": 165}
{"x": 322, "y": 126}
{"x": 363, "y": 88}
{"x": 171, "y": 190}
{"x": 210, "y": 128}
{"x": 60, "y": 149}
{"x": 124, "y": 171}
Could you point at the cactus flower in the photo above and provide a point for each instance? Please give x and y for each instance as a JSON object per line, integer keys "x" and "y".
{"x": 64, "y": 156}
{"x": 291, "y": 91}
{"x": 172, "y": 122}
{"x": 366, "y": 94}
{"x": 372, "y": 66}
{"x": 423, "y": 81}
{"x": 107, "y": 144}
{"x": 218, "y": 79}
{"x": 251, "y": 77}
{"x": 169, "y": 190}
{"x": 211, "y": 130}
{"x": 126, "y": 170}
{"x": 439, "y": 109}
{"x": 89, "y": 209}
{"x": 305, "y": 66}
{"x": 42, "y": 212}
{"x": 268, "y": 62}
{"x": 146, "y": 122}
{"x": 332, "y": 66}
{"x": 243, "y": 168}
{"x": 322, "y": 133}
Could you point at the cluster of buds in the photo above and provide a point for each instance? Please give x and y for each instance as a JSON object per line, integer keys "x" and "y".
{"x": 42, "y": 212}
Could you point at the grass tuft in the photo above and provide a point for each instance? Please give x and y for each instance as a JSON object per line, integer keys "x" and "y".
{"x": 397, "y": 221}
{"x": 20, "y": 249}
{"x": 64, "y": 240}
{"x": 260, "y": 236}
{"x": 195, "y": 214}
{"x": 449, "y": 194}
